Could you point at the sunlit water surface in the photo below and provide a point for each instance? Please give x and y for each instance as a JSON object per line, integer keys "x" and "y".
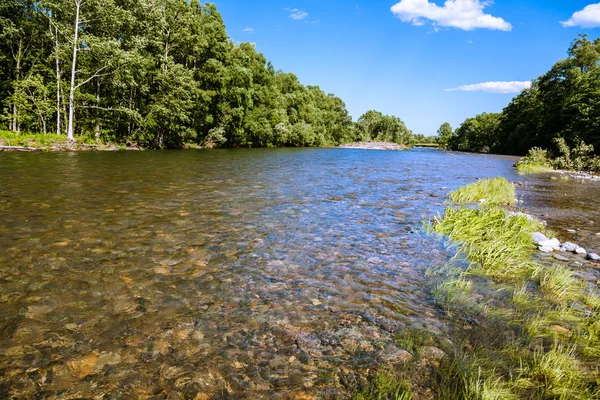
{"x": 243, "y": 273}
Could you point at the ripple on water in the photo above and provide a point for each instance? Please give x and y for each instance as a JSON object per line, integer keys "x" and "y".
{"x": 255, "y": 273}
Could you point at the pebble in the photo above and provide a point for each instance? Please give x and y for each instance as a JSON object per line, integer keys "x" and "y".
{"x": 552, "y": 243}
{"x": 568, "y": 246}
{"x": 561, "y": 258}
{"x": 580, "y": 250}
{"x": 571, "y": 231}
{"x": 538, "y": 237}
{"x": 545, "y": 249}
{"x": 593, "y": 257}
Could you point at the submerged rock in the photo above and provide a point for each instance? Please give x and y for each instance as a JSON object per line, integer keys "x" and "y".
{"x": 432, "y": 353}
{"x": 568, "y": 246}
{"x": 561, "y": 258}
{"x": 593, "y": 257}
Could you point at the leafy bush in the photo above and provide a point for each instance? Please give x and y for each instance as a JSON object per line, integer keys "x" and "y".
{"x": 536, "y": 161}
{"x": 579, "y": 158}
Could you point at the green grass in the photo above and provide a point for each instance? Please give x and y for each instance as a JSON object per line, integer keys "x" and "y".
{"x": 28, "y": 139}
{"x": 49, "y": 141}
{"x": 498, "y": 245}
{"x": 534, "y": 330}
{"x": 497, "y": 191}
{"x": 525, "y": 169}
{"x": 385, "y": 386}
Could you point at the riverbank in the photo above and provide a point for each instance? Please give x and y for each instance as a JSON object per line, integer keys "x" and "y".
{"x": 10, "y": 141}
{"x": 542, "y": 310}
{"x": 373, "y": 146}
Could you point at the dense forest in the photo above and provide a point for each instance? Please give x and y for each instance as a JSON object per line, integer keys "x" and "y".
{"x": 159, "y": 74}
{"x": 562, "y": 107}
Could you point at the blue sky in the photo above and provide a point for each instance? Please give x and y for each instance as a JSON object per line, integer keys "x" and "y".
{"x": 404, "y": 62}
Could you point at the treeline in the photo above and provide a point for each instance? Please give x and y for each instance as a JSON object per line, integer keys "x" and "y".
{"x": 159, "y": 74}
{"x": 561, "y": 107}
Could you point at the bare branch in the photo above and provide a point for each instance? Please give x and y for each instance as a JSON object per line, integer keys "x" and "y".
{"x": 96, "y": 75}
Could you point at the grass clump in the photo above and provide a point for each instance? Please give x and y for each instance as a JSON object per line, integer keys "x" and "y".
{"x": 535, "y": 162}
{"x": 385, "y": 386}
{"x": 497, "y": 191}
{"x": 558, "y": 283}
{"x": 498, "y": 245}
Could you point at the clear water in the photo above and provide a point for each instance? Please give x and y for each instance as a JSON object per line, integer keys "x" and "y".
{"x": 217, "y": 274}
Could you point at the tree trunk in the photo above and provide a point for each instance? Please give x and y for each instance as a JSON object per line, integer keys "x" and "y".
{"x": 73, "y": 72}
{"x": 97, "y": 128}
{"x": 57, "y": 80}
{"x": 15, "y": 126}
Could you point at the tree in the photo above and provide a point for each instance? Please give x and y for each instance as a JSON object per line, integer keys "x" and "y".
{"x": 445, "y": 135}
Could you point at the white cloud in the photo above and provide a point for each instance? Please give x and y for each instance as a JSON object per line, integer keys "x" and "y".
{"x": 461, "y": 14}
{"x": 470, "y": 42}
{"x": 296, "y": 14}
{"x": 494, "y": 87}
{"x": 589, "y": 17}
{"x": 248, "y": 30}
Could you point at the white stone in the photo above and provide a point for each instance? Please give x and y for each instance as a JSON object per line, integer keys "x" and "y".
{"x": 580, "y": 250}
{"x": 545, "y": 249}
{"x": 567, "y": 246}
{"x": 553, "y": 243}
{"x": 538, "y": 237}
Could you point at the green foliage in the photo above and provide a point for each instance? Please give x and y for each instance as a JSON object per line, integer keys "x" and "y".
{"x": 497, "y": 191}
{"x": 374, "y": 126}
{"x": 479, "y": 134}
{"x": 445, "y": 134}
{"x": 578, "y": 158}
{"x": 8, "y": 138}
{"x": 385, "y": 386}
{"x": 160, "y": 75}
{"x": 563, "y": 103}
{"x": 536, "y": 161}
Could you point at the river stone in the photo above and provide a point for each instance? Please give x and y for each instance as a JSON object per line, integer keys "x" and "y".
{"x": 394, "y": 355}
{"x": 593, "y": 257}
{"x": 538, "y": 237}
{"x": 568, "y": 246}
{"x": 560, "y": 258}
{"x": 580, "y": 250}
{"x": 432, "y": 353}
{"x": 545, "y": 249}
{"x": 552, "y": 243}
{"x": 571, "y": 231}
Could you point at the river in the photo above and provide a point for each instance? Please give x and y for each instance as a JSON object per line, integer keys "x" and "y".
{"x": 229, "y": 273}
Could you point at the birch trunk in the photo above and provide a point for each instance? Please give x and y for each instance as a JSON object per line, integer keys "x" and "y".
{"x": 73, "y": 72}
{"x": 57, "y": 81}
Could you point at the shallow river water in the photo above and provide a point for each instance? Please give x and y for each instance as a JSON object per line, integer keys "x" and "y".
{"x": 221, "y": 274}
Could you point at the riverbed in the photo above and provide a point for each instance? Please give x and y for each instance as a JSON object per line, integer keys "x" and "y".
{"x": 267, "y": 273}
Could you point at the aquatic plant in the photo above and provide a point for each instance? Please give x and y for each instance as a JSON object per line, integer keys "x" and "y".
{"x": 498, "y": 246}
{"x": 385, "y": 386}
{"x": 496, "y": 191}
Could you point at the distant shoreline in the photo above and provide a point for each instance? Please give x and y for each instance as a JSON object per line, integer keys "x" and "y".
{"x": 373, "y": 146}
